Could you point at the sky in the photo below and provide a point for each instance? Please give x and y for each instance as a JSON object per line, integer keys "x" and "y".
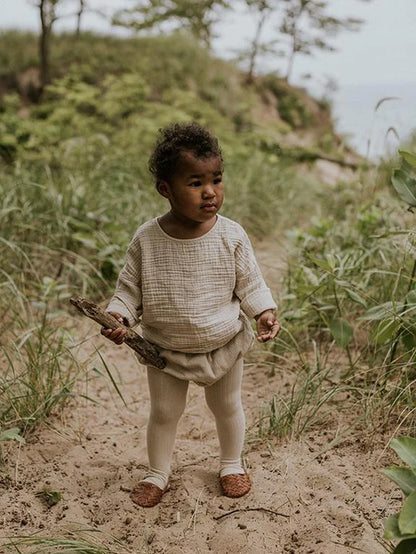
{"x": 383, "y": 51}
{"x": 377, "y": 61}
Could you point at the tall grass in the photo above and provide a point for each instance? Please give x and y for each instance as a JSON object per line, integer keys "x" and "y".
{"x": 308, "y": 401}
{"x": 350, "y": 288}
{"x": 82, "y": 540}
{"x": 39, "y": 369}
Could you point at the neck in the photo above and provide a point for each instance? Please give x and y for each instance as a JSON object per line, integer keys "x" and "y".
{"x": 180, "y": 227}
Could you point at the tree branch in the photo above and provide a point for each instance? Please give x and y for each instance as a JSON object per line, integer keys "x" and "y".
{"x": 145, "y": 349}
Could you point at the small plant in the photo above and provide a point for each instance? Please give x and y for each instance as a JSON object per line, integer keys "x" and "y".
{"x": 306, "y": 403}
{"x": 8, "y": 435}
{"x": 49, "y": 497}
{"x": 402, "y": 526}
{"x": 404, "y": 181}
{"x": 404, "y": 178}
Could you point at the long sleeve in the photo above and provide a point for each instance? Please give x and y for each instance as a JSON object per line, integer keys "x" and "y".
{"x": 127, "y": 298}
{"x": 254, "y": 295}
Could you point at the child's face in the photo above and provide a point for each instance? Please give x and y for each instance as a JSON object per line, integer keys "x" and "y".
{"x": 195, "y": 191}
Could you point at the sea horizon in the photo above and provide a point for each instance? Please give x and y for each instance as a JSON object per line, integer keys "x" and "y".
{"x": 376, "y": 133}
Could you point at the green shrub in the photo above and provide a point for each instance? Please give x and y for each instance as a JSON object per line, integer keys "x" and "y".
{"x": 402, "y": 526}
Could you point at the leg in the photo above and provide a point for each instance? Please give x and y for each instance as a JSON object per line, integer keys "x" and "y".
{"x": 224, "y": 400}
{"x": 167, "y": 403}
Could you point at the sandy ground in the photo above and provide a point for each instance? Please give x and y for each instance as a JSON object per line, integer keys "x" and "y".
{"x": 304, "y": 500}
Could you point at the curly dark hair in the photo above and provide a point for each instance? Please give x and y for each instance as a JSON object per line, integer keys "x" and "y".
{"x": 177, "y": 138}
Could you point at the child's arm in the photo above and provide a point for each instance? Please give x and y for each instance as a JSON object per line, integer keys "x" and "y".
{"x": 255, "y": 297}
{"x": 126, "y": 303}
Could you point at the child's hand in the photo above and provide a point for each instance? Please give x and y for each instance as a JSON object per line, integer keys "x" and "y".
{"x": 116, "y": 335}
{"x": 267, "y": 326}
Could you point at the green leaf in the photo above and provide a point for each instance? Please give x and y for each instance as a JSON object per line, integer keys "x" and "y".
{"x": 310, "y": 275}
{"x": 49, "y": 497}
{"x": 323, "y": 264}
{"x": 341, "y": 331}
{"x": 407, "y": 546}
{"x": 392, "y": 531}
{"x": 391, "y": 528}
{"x": 111, "y": 378}
{"x": 407, "y": 516}
{"x": 405, "y": 186}
{"x": 294, "y": 314}
{"x": 402, "y": 476}
{"x": 405, "y": 448}
{"x": 86, "y": 240}
{"x": 382, "y": 311}
{"x": 411, "y": 297}
{"x": 12, "y": 434}
{"x": 356, "y": 297}
{"x": 408, "y": 157}
{"x": 385, "y": 330}
{"x": 409, "y": 339}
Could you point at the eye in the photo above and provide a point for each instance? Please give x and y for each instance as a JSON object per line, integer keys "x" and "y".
{"x": 218, "y": 181}
{"x": 195, "y": 184}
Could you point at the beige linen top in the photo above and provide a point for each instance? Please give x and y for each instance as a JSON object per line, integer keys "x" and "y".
{"x": 188, "y": 293}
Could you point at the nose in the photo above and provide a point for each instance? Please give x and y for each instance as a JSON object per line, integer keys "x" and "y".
{"x": 209, "y": 191}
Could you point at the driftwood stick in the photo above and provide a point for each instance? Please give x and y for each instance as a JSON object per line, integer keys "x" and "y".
{"x": 140, "y": 345}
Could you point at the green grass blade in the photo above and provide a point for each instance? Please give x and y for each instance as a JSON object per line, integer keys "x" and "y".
{"x": 111, "y": 378}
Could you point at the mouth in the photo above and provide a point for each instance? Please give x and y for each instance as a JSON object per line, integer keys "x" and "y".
{"x": 209, "y": 207}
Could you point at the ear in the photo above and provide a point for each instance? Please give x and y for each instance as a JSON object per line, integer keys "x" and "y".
{"x": 163, "y": 188}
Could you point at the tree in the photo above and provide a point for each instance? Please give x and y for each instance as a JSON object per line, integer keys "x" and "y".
{"x": 198, "y": 16}
{"x": 264, "y": 8}
{"x": 308, "y": 26}
{"x": 79, "y": 14}
{"x": 47, "y": 12}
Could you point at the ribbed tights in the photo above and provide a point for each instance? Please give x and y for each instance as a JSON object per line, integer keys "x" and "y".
{"x": 167, "y": 401}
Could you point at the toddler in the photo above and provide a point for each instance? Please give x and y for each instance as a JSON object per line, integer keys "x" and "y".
{"x": 191, "y": 280}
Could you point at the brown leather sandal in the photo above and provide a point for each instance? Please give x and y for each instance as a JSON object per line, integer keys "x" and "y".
{"x": 235, "y": 485}
{"x": 147, "y": 494}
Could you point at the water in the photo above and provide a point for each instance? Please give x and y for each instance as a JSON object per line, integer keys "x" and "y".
{"x": 368, "y": 130}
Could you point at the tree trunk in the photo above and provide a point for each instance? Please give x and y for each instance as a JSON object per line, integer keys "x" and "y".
{"x": 79, "y": 16}
{"x": 295, "y": 45}
{"x": 145, "y": 349}
{"x": 291, "y": 60}
{"x": 255, "y": 45}
{"x": 47, "y": 18}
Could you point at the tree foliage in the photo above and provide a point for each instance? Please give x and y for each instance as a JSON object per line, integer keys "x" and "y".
{"x": 198, "y": 17}
{"x": 309, "y": 27}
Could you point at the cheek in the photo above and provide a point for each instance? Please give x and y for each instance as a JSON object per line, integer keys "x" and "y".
{"x": 190, "y": 197}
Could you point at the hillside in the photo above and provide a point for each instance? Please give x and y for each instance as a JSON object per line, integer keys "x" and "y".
{"x": 159, "y": 78}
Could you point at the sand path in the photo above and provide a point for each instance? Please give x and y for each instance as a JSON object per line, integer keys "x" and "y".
{"x": 93, "y": 453}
